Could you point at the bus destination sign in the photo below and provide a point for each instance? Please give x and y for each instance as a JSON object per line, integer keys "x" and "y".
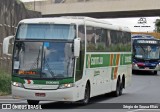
{"x": 147, "y": 42}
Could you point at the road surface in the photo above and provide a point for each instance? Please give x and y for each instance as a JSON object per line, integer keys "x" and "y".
{"x": 145, "y": 88}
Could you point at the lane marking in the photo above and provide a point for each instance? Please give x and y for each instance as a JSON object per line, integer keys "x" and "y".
{"x": 135, "y": 110}
{"x": 150, "y": 110}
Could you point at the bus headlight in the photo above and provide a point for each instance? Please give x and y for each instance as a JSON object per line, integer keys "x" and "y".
{"x": 17, "y": 84}
{"x": 63, "y": 86}
{"x": 134, "y": 64}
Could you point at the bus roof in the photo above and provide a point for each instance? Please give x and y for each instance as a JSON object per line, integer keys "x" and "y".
{"x": 142, "y": 36}
{"x": 75, "y": 20}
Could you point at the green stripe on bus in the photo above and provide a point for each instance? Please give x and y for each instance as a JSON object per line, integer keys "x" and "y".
{"x": 17, "y": 79}
{"x": 54, "y": 82}
{"x": 104, "y": 60}
{"x": 125, "y": 59}
{"x": 121, "y": 59}
{"x": 97, "y": 60}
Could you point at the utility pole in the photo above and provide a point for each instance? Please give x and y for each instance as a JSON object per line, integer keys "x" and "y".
{"x": 34, "y": 5}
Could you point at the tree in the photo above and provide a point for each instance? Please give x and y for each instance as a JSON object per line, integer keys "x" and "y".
{"x": 157, "y": 25}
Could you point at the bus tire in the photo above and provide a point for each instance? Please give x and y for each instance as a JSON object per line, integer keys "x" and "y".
{"x": 155, "y": 72}
{"x": 121, "y": 89}
{"x": 32, "y": 102}
{"x": 116, "y": 93}
{"x": 86, "y": 95}
{"x": 122, "y": 85}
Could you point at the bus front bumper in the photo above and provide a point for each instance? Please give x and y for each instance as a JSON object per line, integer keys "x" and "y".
{"x": 135, "y": 67}
{"x": 67, "y": 94}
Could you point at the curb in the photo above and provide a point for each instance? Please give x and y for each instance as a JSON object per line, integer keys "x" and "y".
{"x": 6, "y": 97}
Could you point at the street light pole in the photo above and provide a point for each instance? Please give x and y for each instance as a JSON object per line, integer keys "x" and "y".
{"x": 34, "y": 5}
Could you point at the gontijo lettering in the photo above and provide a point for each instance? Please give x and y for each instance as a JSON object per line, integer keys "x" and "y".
{"x": 96, "y": 60}
{"x": 127, "y": 59}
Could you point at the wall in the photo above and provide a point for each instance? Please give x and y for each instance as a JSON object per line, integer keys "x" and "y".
{"x": 11, "y": 12}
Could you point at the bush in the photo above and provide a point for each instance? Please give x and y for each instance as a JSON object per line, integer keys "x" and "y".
{"x": 5, "y": 83}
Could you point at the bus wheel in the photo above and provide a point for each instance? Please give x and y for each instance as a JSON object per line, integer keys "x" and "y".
{"x": 121, "y": 89}
{"x": 86, "y": 95}
{"x": 155, "y": 72}
{"x": 116, "y": 93}
{"x": 32, "y": 102}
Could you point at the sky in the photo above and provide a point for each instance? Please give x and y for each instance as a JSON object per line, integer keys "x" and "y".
{"x": 132, "y": 22}
{"x": 129, "y": 22}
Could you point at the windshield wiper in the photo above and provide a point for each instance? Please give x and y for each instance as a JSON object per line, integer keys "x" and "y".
{"x": 47, "y": 65}
{"x": 143, "y": 49}
{"x": 36, "y": 63}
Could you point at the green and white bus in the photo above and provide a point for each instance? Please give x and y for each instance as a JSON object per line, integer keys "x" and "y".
{"x": 69, "y": 59}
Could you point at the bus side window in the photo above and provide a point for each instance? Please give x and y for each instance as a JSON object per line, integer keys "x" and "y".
{"x": 100, "y": 40}
{"x": 90, "y": 39}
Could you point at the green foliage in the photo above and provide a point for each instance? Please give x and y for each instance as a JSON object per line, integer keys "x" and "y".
{"x": 5, "y": 83}
{"x": 18, "y": 1}
{"x": 157, "y": 25}
{"x": 111, "y": 48}
{"x": 91, "y": 47}
{"x": 101, "y": 47}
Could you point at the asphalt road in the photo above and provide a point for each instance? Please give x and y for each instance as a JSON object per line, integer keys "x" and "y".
{"x": 145, "y": 89}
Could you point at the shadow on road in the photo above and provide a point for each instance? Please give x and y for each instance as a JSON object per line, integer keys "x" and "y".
{"x": 144, "y": 73}
{"x": 75, "y": 105}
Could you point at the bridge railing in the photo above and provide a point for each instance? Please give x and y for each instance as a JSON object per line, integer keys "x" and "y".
{"x": 36, "y": 5}
{"x": 72, "y": 1}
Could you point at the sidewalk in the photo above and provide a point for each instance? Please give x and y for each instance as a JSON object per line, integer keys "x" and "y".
{"x": 9, "y": 99}
{"x": 6, "y": 97}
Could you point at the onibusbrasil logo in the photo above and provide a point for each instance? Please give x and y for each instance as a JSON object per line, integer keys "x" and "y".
{"x": 142, "y": 22}
{"x": 20, "y": 106}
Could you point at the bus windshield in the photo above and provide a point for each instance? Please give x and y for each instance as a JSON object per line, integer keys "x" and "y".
{"x": 146, "y": 51}
{"x": 45, "y": 31}
{"x": 43, "y": 59}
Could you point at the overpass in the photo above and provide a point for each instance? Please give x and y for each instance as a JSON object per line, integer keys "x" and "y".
{"x": 99, "y": 8}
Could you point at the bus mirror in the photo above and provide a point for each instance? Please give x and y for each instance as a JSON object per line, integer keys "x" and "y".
{"x": 76, "y": 47}
{"x": 6, "y": 45}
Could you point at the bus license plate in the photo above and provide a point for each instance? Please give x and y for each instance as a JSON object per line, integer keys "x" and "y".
{"x": 147, "y": 68}
{"x": 40, "y": 94}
